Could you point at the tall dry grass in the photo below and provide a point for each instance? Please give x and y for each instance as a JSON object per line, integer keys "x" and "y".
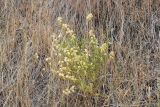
{"x": 132, "y": 26}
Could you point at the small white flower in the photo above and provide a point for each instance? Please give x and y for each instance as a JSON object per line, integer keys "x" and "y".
{"x": 48, "y": 59}
{"x": 36, "y": 55}
{"x": 64, "y": 26}
{"x": 72, "y": 88}
{"x": 59, "y": 20}
{"x": 66, "y": 92}
{"x": 112, "y": 55}
{"x": 89, "y": 17}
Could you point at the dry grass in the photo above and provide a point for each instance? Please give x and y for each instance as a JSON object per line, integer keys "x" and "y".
{"x": 132, "y": 26}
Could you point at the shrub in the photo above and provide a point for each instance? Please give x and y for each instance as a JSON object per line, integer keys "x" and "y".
{"x": 79, "y": 60}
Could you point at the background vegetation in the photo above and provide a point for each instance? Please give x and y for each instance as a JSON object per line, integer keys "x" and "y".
{"x": 32, "y": 44}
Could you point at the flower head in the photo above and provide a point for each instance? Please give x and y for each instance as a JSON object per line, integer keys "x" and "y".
{"x": 36, "y": 55}
{"x": 59, "y": 20}
{"x": 89, "y": 17}
{"x": 66, "y": 91}
{"x": 72, "y": 88}
{"x": 48, "y": 59}
{"x": 65, "y": 26}
{"x": 103, "y": 47}
{"x": 112, "y": 55}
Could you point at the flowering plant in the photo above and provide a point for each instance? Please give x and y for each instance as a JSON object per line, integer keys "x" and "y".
{"x": 79, "y": 61}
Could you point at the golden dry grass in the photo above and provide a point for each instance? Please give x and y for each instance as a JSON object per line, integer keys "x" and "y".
{"x": 132, "y": 26}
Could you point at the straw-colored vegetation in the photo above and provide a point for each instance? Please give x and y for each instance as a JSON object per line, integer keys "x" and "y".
{"x": 79, "y": 53}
